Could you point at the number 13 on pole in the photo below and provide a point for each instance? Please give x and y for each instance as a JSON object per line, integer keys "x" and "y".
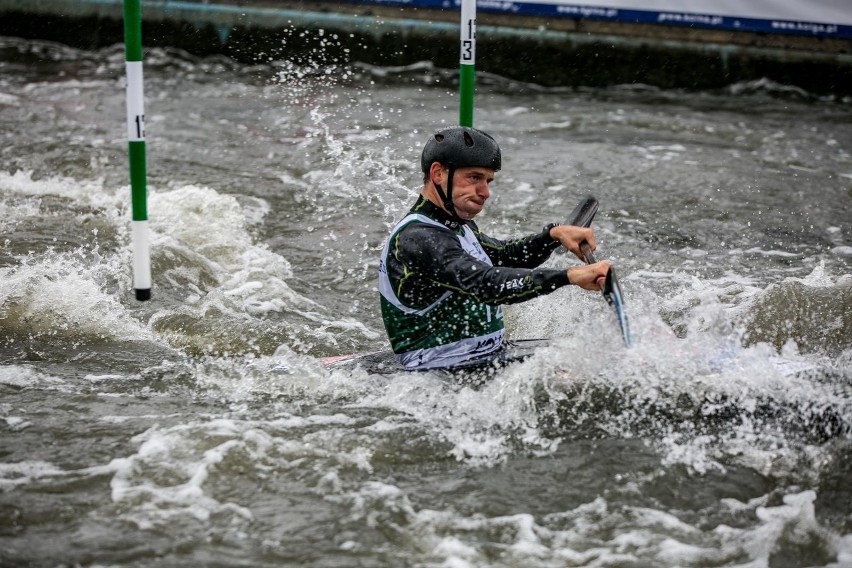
{"x": 467, "y": 61}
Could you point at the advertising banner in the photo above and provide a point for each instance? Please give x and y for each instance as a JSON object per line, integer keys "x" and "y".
{"x": 827, "y": 18}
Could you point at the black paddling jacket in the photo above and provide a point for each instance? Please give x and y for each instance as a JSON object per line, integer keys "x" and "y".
{"x": 441, "y": 283}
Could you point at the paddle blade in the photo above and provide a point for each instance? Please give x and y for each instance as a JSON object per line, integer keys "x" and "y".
{"x": 582, "y": 216}
{"x": 612, "y": 294}
{"x": 583, "y": 213}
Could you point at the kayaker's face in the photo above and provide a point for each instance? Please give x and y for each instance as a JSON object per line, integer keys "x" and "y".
{"x": 470, "y": 190}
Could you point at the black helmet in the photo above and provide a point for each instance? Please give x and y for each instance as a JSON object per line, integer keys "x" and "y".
{"x": 461, "y": 147}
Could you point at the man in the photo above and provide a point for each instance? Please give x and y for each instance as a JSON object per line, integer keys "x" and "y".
{"x": 442, "y": 281}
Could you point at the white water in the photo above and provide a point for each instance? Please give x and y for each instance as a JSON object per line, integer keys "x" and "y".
{"x": 201, "y": 427}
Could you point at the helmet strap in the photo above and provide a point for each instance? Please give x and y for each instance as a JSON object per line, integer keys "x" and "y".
{"x": 447, "y": 198}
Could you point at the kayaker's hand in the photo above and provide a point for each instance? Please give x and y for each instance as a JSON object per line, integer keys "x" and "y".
{"x": 589, "y": 276}
{"x": 571, "y": 237}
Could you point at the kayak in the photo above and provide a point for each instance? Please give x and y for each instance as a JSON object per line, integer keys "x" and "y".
{"x": 386, "y": 363}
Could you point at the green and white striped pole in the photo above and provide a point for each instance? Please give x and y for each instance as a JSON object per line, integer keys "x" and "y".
{"x": 136, "y": 150}
{"x": 467, "y": 61}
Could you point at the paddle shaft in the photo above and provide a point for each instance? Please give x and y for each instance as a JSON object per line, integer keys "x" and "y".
{"x": 589, "y": 257}
{"x": 582, "y": 216}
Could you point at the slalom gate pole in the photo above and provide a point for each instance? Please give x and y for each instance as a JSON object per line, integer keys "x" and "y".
{"x": 467, "y": 61}
{"x": 136, "y": 150}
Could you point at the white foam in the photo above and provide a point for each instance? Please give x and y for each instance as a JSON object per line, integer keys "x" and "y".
{"x": 17, "y": 423}
{"x": 103, "y": 378}
{"x": 22, "y": 473}
{"x": 9, "y": 100}
{"x": 58, "y": 294}
{"x": 596, "y": 533}
{"x": 314, "y": 420}
{"x": 762, "y": 252}
{"x": 90, "y": 192}
{"x": 66, "y": 295}
{"x": 177, "y": 454}
{"x": 23, "y": 376}
{"x": 212, "y": 230}
{"x": 12, "y": 213}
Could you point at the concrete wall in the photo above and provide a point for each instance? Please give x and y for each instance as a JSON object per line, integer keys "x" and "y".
{"x": 564, "y": 51}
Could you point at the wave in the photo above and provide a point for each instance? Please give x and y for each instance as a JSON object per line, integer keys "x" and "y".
{"x": 815, "y": 313}
{"x": 217, "y": 289}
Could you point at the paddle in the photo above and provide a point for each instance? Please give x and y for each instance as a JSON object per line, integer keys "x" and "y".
{"x": 582, "y": 216}
{"x": 611, "y": 292}
{"x": 583, "y": 213}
